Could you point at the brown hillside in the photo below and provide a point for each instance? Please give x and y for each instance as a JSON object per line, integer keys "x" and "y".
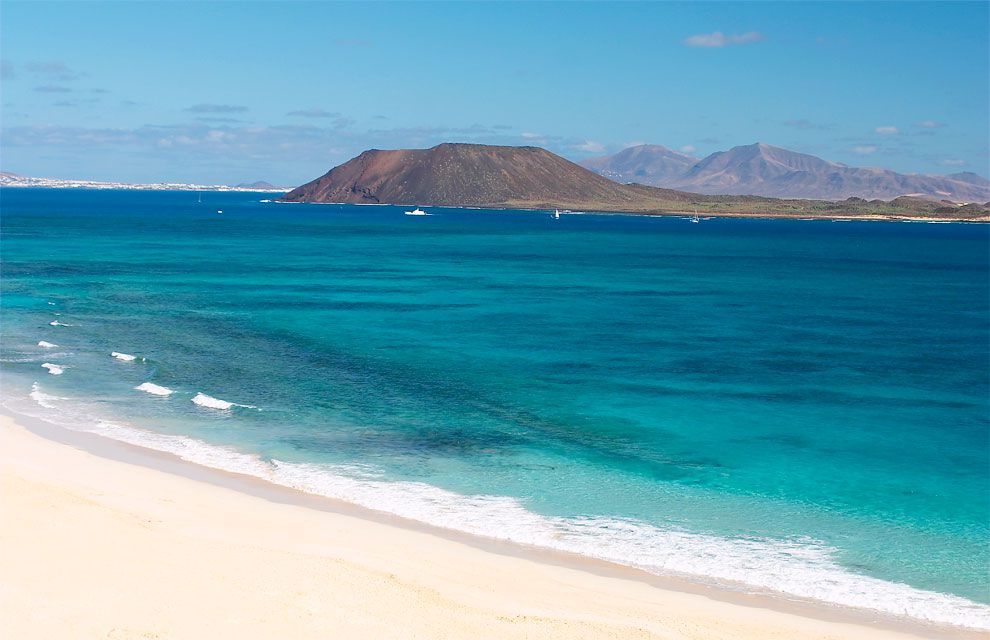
{"x": 463, "y": 175}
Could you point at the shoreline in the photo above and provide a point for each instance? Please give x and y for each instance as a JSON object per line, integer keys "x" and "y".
{"x": 718, "y": 603}
{"x": 708, "y": 215}
{"x": 647, "y": 213}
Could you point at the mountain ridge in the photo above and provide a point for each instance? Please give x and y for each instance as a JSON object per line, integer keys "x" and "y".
{"x": 765, "y": 170}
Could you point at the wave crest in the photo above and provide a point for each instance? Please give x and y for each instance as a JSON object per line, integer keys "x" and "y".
{"x": 204, "y": 400}
{"x": 154, "y": 389}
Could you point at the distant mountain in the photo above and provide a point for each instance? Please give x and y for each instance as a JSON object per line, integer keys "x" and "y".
{"x": 970, "y": 177}
{"x": 761, "y": 169}
{"x": 474, "y": 175}
{"x": 464, "y": 175}
{"x": 260, "y": 184}
{"x": 649, "y": 164}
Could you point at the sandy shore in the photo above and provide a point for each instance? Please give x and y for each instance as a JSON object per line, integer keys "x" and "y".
{"x": 95, "y": 547}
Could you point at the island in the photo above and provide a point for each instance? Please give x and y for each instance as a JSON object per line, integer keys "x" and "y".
{"x": 488, "y": 176}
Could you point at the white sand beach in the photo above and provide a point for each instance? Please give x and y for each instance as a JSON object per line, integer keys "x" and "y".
{"x": 94, "y": 547}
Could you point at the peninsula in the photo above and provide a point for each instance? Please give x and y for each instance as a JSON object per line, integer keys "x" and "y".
{"x": 474, "y": 175}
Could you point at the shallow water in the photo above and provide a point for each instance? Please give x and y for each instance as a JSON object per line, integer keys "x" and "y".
{"x": 800, "y": 406}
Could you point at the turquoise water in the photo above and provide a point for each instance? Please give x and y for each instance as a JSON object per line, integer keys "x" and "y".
{"x": 784, "y": 405}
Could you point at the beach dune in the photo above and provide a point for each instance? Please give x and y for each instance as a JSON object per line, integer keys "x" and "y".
{"x": 96, "y": 547}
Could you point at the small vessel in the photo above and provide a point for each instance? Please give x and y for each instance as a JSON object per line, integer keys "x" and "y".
{"x": 556, "y": 214}
{"x": 416, "y": 212}
{"x": 219, "y": 210}
{"x": 696, "y": 219}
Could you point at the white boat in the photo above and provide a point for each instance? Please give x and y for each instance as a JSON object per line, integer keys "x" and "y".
{"x": 556, "y": 214}
{"x": 695, "y": 219}
{"x": 416, "y": 212}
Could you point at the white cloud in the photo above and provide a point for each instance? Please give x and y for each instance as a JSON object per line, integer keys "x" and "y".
{"x": 590, "y": 146}
{"x": 930, "y": 124}
{"x": 56, "y": 70}
{"x": 291, "y": 153}
{"x": 952, "y": 162}
{"x": 52, "y": 88}
{"x": 887, "y": 130}
{"x": 217, "y": 108}
{"x": 688, "y": 148}
{"x": 634, "y": 143}
{"x": 531, "y": 136}
{"x": 314, "y": 113}
{"x": 864, "y": 150}
{"x": 719, "y": 39}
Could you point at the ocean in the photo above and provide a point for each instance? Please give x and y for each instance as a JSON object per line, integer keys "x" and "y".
{"x": 785, "y": 406}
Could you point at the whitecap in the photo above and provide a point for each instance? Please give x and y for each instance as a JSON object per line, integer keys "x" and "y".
{"x": 153, "y": 389}
{"x": 54, "y": 369}
{"x": 56, "y": 323}
{"x": 126, "y": 357}
{"x": 47, "y": 345}
{"x": 204, "y": 400}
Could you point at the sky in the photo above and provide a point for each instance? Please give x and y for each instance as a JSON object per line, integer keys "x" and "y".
{"x": 229, "y": 92}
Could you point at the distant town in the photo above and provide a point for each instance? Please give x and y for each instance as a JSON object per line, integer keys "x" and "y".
{"x": 14, "y": 180}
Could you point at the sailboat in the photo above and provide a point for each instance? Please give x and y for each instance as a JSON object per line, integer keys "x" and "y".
{"x": 696, "y": 219}
{"x": 556, "y": 214}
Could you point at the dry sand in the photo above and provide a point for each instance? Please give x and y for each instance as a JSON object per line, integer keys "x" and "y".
{"x": 92, "y": 547}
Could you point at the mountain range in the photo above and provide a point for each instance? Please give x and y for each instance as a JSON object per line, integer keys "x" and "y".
{"x": 765, "y": 170}
{"x": 484, "y": 176}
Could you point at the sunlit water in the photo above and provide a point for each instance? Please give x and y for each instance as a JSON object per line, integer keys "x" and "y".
{"x": 785, "y": 405}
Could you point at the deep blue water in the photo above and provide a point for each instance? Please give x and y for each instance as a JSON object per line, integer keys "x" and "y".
{"x": 792, "y": 405}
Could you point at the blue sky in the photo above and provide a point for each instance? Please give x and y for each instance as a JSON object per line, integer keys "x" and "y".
{"x": 240, "y": 91}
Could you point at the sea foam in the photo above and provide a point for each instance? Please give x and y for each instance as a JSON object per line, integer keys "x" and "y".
{"x": 46, "y": 345}
{"x": 799, "y": 567}
{"x": 56, "y": 323}
{"x": 126, "y": 357}
{"x": 204, "y": 400}
{"x": 153, "y": 389}
{"x": 42, "y": 398}
{"x": 54, "y": 369}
